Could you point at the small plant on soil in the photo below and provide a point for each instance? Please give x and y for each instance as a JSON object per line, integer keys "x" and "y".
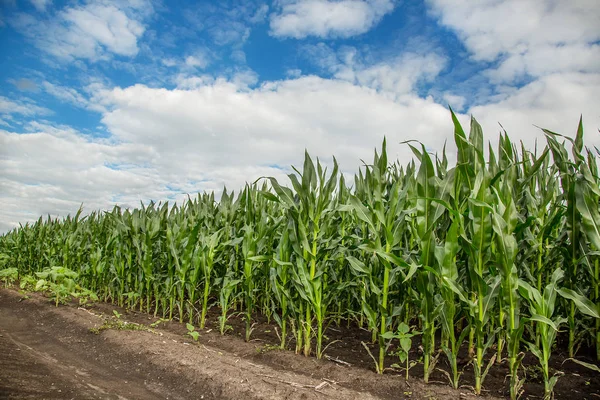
{"x": 24, "y": 295}
{"x": 115, "y": 322}
{"x": 267, "y": 348}
{"x": 404, "y": 336}
{"x": 192, "y": 332}
{"x": 156, "y": 323}
{"x": 9, "y": 276}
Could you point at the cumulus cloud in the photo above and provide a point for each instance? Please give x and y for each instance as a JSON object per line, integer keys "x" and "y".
{"x": 534, "y": 37}
{"x": 51, "y": 170}
{"x": 327, "y": 19}
{"x": 553, "y": 102}
{"x": 455, "y": 101}
{"x": 274, "y": 121}
{"x": 94, "y": 31}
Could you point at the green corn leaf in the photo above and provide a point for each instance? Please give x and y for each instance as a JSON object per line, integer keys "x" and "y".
{"x": 587, "y": 205}
{"x": 413, "y": 268}
{"x": 544, "y": 320}
{"x": 584, "y": 304}
{"x": 451, "y": 284}
{"x": 358, "y": 265}
{"x": 593, "y": 367}
{"x": 362, "y": 212}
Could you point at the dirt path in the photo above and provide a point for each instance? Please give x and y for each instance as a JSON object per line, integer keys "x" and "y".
{"x": 50, "y": 353}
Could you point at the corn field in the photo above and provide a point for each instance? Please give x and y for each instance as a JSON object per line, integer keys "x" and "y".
{"x": 496, "y": 256}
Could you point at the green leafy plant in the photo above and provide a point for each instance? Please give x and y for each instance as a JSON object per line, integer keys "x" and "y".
{"x": 28, "y": 282}
{"x": 155, "y": 324}
{"x": 9, "y": 276}
{"x": 192, "y": 332}
{"x": 59, "y": 281}
{"x": 404, "y": 336}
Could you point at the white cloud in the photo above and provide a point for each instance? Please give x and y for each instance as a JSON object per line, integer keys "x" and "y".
{"x": 547, "y": 59}
{"x": 41, "y": 5}
{"x": 66, "y": 94}
{"x": 244, "y": 79}
{"x": 455, "y": 101}
{"x": 231, "y": 32}
{"x": 260, "y": 14}
{"x": 238, "y": 56}
{"x": 293, "y": 73}
{"x": 553, "y": 102}
{"x": 200, "y": 59}
{"x": 396, "y": 76}
{"x": 168, "y": 62}
{"x": 94, "y": 31}
{"x": 23, "y": 107}
{"x": 202, "y": 130}
{"x": 327, "y": 19}
{"x": 25, "y": 84}
{"x": 534, "y": 37}
{"x": 399, "y": 75}
{"x": 53, "y": 169}
{"x": 184, "y": 81}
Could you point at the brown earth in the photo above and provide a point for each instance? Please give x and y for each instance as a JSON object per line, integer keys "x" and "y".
{"x": 49, "y": 352}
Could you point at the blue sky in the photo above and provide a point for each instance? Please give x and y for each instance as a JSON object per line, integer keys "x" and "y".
{"x": 115, "y": 101}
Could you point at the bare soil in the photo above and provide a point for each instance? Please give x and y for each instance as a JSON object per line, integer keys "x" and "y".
{"x": 49, "y": 352}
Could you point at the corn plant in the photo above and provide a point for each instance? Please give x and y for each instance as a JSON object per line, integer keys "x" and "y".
{"x": 227, "y": 294}
{"x": 280, "y": 278}
{"x": 504, "y": 223}
{"x": 383, "y": 216}
{"x": 473, "y": 197}
{"x": 541, "y": 308}
{"x": 446, "y": 300}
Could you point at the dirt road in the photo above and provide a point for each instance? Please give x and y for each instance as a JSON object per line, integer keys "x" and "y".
{"x": 50, "y": 353}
